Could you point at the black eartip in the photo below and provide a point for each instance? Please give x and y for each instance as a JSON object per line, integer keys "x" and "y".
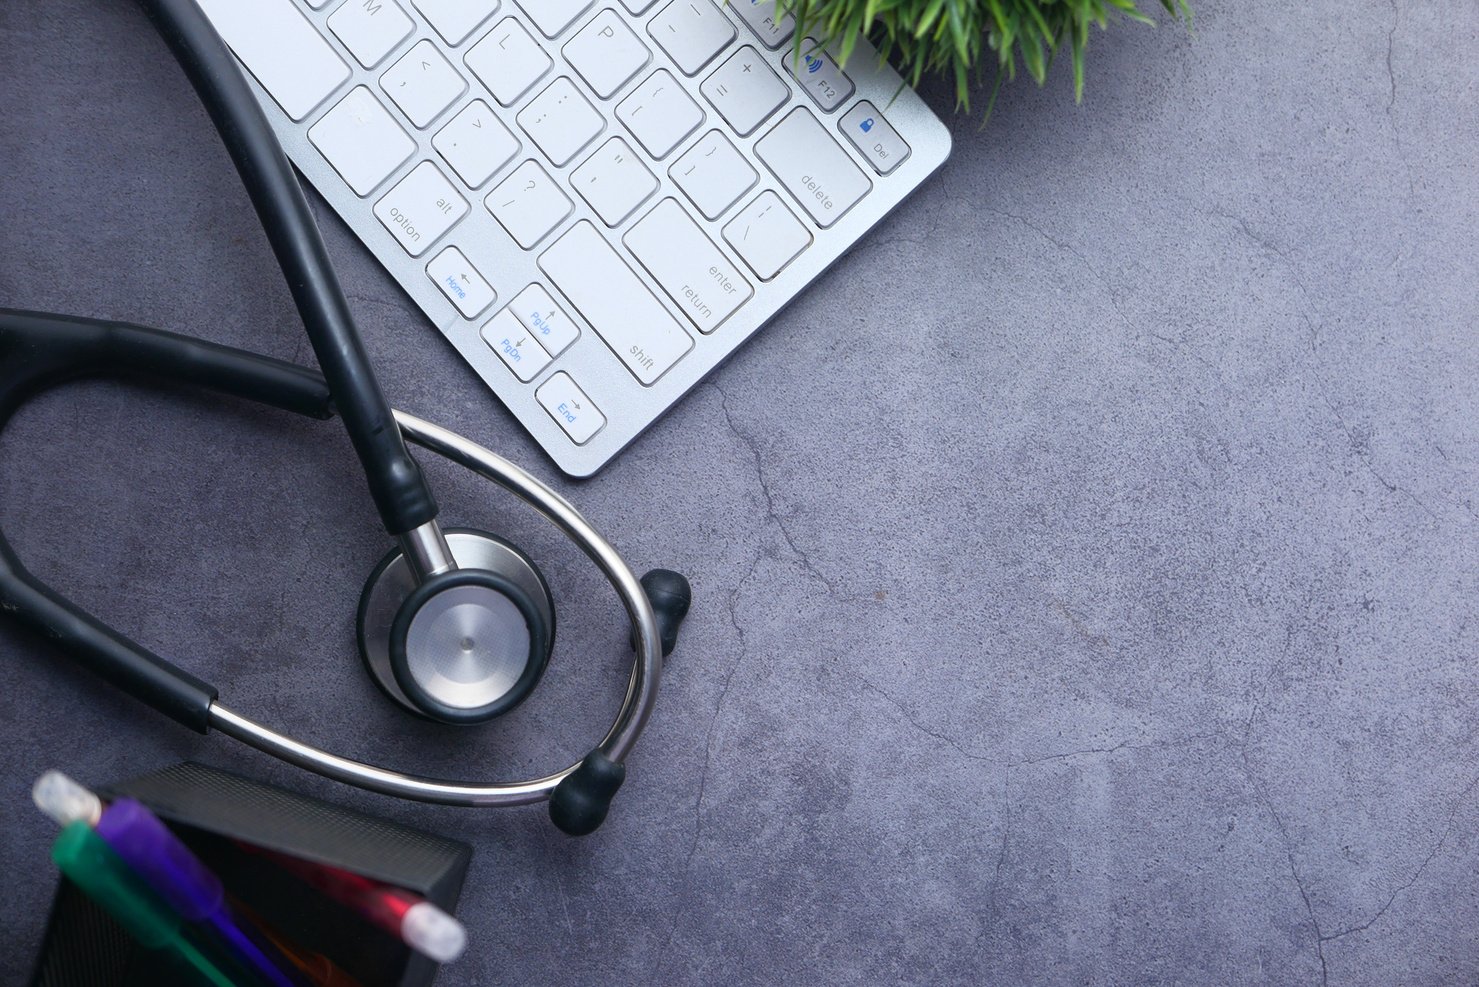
{"x": 579, "y": 804}
{"x": 671, "y": 596}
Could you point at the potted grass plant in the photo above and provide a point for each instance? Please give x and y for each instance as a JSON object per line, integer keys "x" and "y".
{"x": 965, "y": 40}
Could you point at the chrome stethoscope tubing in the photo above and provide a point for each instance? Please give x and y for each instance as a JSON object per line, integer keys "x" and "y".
{"x": 636, "y": 706}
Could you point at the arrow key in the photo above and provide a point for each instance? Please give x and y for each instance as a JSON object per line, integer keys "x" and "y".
{"x": 552, "y": 327}
{"x": 460, "y": 282}
{"x": 515, "y": 346}
{"x": 568, "y": 405}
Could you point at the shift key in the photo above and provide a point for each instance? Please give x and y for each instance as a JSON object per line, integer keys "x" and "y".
{"x": 813, "y": 167}
{"x": 696, "y": 276}
{"x": 610, "y": 296}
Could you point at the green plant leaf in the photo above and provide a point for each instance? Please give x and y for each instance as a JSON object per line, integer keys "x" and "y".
{"x": 961, "y": 40}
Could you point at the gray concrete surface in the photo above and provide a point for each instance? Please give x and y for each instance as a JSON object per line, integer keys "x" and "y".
{"x": 1086, "y": 568}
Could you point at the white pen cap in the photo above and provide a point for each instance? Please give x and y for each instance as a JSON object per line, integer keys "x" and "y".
{"x": 64, "y": 800}
{"x": 432, "y": 932}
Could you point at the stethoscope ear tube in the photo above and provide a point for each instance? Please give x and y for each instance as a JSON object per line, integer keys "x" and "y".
{"x": 122, "y": 663}
{"x": 580, "y": 794}
{"x": 38, "y": 351}
{"x": 395, "y": 481}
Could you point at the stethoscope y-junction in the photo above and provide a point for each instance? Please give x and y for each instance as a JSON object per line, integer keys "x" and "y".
{"x": 455, "y": 625}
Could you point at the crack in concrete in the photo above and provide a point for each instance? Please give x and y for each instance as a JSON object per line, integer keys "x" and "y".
{"x": 927, "y": 238}
{"x": 1024, "y": 762}
{"x": 1357, "y": 446}
{"x": 1418, "y": 873}
{"x": 910, "y": 719}
{"x": 1320, "y": 937}
{"x": 1242, "y": 746}
{"x": 771, "y": 515}
{"x": 1392, "y": 76}
{"x": 1392, "y": 102}
{"x": 1113, "y": 296}
{"x": 398, "y": 306}
{"x": 1276, "y": 667}
{"x": 1001, "y": 853}
{"x": 703, "y": 778}
{"x": 1124, "y": 745}
{"x": 1078, "y": 624}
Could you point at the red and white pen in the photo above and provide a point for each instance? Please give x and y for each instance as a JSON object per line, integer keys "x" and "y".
{"x": 409, "y": 917}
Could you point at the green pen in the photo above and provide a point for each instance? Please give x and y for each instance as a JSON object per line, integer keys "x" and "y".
{"x": 93, "y": 866}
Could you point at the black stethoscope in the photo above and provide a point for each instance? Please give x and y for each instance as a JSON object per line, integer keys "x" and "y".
{"x": 454, "y": 625}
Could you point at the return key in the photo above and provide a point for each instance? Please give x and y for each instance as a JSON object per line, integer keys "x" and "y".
{"x": 696, "y": 276}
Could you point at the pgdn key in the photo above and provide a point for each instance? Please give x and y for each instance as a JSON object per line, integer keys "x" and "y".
{"x": 695, "y": 275}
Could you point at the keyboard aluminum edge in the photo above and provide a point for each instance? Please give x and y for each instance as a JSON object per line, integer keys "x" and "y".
{"x": 630, "y": 408}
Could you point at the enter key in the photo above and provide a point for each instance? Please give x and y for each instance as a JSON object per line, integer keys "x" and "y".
{"x": 691, "y": 270}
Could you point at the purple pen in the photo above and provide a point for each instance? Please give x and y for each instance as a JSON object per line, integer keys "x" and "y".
{"x": 167, "y": 865}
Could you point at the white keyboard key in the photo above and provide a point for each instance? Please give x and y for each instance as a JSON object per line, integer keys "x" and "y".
{"x": 281, "y": 49}
{"x": 454, "y": 20}
{"x": 568, "y": 405}
{"x": 692, "y": 32}
{"x": 660, "y": 114}
{"x": 315, "y": 4}
{"x": 745, "y": 91}
{"x": 461, "y": 282}
{"x": 713, "y": 174}
{"x": 615, "y": 302}
{"x": 423, "y": 83}
{"x": 537, "y": 311}
{"x": 874, "y": 138}
{"x": 420, "y": 208}
{"x": 508, "y": 61}
{"x": 826, "y": 84}
{"x": 362, "y": 141}
{"x": 637, "y": 6}
{"x": 767, "y": 236}
{"x": 613, "y": 181}
{"x": 553, "y": 16}
{"x": 813, "y": 167}
{"x": 606, "y": 53}
{"x": 561, "y": 121}
{"x": 686, "y": 264}
{"x": 515, "y": 346}
{"x": 759, "y": 16}
{"x": 476, "y": 143}
{"x": 529, "y": 204}
{"x": 370, "y": 29}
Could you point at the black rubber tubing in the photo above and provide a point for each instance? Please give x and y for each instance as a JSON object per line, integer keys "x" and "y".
{"x": 41, "y": 351}
{"x": 399, "y": 490}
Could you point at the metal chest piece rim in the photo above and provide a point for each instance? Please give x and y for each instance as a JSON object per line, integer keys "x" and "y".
{"x": 463, "y": 647}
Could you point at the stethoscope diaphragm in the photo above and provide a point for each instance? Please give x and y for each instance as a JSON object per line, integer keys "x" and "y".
{"x": 464, "y": 646}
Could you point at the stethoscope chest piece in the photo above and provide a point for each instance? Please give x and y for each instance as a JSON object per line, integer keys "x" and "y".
{"x": 463, "y": 646}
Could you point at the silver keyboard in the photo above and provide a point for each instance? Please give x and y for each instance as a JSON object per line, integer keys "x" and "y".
{"x": 595, "y": 204}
